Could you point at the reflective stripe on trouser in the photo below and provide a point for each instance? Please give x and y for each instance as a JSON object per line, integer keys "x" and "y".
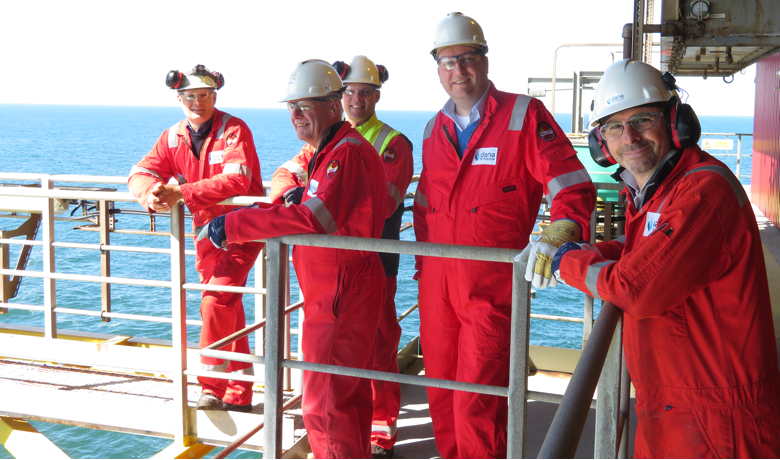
{"x": 386, "y": 395}
{"x": 465, "y": 333}
{"x": 223, "y": 313}
{"x": 339, "y": 329}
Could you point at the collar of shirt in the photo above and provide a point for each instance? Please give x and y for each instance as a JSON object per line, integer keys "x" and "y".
{"x": 370, "y": 123}
{"x": 205, "y": 128}
{"x": 474, "y": 114}
{"x": 660, "y": 173}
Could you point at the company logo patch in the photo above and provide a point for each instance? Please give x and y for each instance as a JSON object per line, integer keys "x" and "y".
{"x": 651, "y": 222}
{"x": 313, "y": 185}
{"x": 388, "y": 155}
{"x": 545, "y": 131}
{"x": 333, "y": 168}
{"x": 215, "y": 157}
{"x": 616, "y": 98}
{"x": 486, "y": 156}
{"x": 232, "y": 139}
{"x": 511, "y": 188}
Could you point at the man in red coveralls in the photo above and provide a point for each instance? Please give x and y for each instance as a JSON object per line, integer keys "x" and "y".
{"x": 488, "y": 157}
{"x": 345, "y": 194}
{"x": 212, "y": 156}
{"x": 364, "y": 80}
{"x": 689, "y": 275}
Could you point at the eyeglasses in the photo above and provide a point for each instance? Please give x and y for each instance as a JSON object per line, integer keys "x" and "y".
{"x": 304, "y": 105}
{"x": 640, "y": 122}
{"x": 466, "y": 60}
{"x": 190, "y": 97}
{"x": 350, "y": 91}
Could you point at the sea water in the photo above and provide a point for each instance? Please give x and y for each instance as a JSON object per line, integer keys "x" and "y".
{"x": 108, "y": 141}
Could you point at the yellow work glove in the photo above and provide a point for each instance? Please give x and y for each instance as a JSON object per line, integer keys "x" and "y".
{"x": 540, "y": 252}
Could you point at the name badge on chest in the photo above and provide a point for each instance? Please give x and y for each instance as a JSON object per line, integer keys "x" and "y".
{"x": 215, "y": 157}
{"x": 651, "y": 222}
{"x": 486, "y": 156}
{"x": 313, "y": 184}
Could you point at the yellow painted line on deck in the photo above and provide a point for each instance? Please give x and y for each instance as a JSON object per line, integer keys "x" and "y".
{"x": 196, "y": 450}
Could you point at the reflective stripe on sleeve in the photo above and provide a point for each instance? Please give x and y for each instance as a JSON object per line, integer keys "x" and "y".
{"x": 173, "y": 137}
{"x": 621, "y": 239}
{"x": 137, "y": 169}
{"x": 592, "y": 278}
{"x": 323, "y": 216}
{"x": 235, "y": 168}
{"x": 296, "y": 169}
{"x": 429, "y": 127}
{"x": 380, "y": 140}
{"x": 559, "y": 183}
{"x": 221, "y": 130}
{"x": 350, "y": 140}
{"x": 518, "y": 112}
{"x": 420, "y": 199}
{"x": 394, "y": 192}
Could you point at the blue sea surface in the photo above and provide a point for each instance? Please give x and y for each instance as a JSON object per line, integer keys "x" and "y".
{"x": 108, "y": 141}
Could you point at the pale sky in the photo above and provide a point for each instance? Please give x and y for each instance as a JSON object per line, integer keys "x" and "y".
{"x": 118, "y": 53}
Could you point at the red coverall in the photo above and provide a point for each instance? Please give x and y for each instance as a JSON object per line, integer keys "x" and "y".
{"x": 489, "y": 198}
{"x": 227, "y": 166}
{"x": 698, "y": 333}
{"x": 346, "y": 194}
{"x": 396, "y": 153}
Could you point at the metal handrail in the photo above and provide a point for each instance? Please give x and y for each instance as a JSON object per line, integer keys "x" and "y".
{"x": 564, "y": 434}
{"x": 739, "y": 153}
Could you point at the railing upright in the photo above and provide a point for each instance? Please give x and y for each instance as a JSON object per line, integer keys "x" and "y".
{"x": 609, "y": 403}
{"x": 49, "y": 284}
{"x": 277, "y": 257}
{"x": 518, "y": 361}
{"x": 184, "y": 426}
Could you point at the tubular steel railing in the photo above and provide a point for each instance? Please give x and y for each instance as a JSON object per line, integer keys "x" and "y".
{"x": 276, "y": 294}
{"x": 739, "y": 154}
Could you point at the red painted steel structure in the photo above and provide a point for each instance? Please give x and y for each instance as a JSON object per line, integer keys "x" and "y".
{"x": 765, "y": 180}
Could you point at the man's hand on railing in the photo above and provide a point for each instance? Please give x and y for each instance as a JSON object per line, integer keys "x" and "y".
{"x": 570, "y": 246}
{"x": 163, "y": 197}
{"x": 540, "y": 252}
{"x": 215, "y": 232}
{"x": 293, "y": 196}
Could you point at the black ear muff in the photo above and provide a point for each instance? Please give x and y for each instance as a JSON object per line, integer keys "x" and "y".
{"x": 383, "y": 73}
{"x": 173, "y": 79}
{"x": 341, "y": 68}
{"x": 598, "y": 149}
{"x": 219, "y": 79}
{"x": 684, "y": 126}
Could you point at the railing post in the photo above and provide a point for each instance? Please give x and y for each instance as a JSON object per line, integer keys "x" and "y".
{"x": 260, "y": 302}
{"x": 625, "y": 407}
{"x": 49, "y": 285}
{"x": 277, "y": 258}
{"x": 739, "y": 152}
{"x": 105, "y": 259}
{"x": 608, "y": 404}
{"x": 184, "y": 426}
{"x": 518, "y": 361}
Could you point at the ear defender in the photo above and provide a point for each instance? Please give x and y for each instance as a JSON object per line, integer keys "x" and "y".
{"x": 598, "y": 149}
{"x": 683, "y": 124}
{"x": 384, "y": 74}
{"x": 218, "y": 79}
{"x": 341, "y": 68}
{"x": 173, "y": 79}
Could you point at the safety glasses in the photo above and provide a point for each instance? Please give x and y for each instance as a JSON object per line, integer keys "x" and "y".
{"x": 190, "y": 97}
{"x": 304, "y": 105}
{"x": 640, "y": 122}
{"x": 466, "y": 60}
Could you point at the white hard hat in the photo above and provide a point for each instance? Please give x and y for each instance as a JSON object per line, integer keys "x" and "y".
{"x": 197, "y": 81}
{"x": 312, "y": 78}
{"x": 457, "y": 29}
{"x": 627, "y": 84}
{"x": 363, "y": 70}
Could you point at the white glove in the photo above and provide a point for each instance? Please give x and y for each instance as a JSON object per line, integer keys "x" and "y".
{"x": 540, "y": 252}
